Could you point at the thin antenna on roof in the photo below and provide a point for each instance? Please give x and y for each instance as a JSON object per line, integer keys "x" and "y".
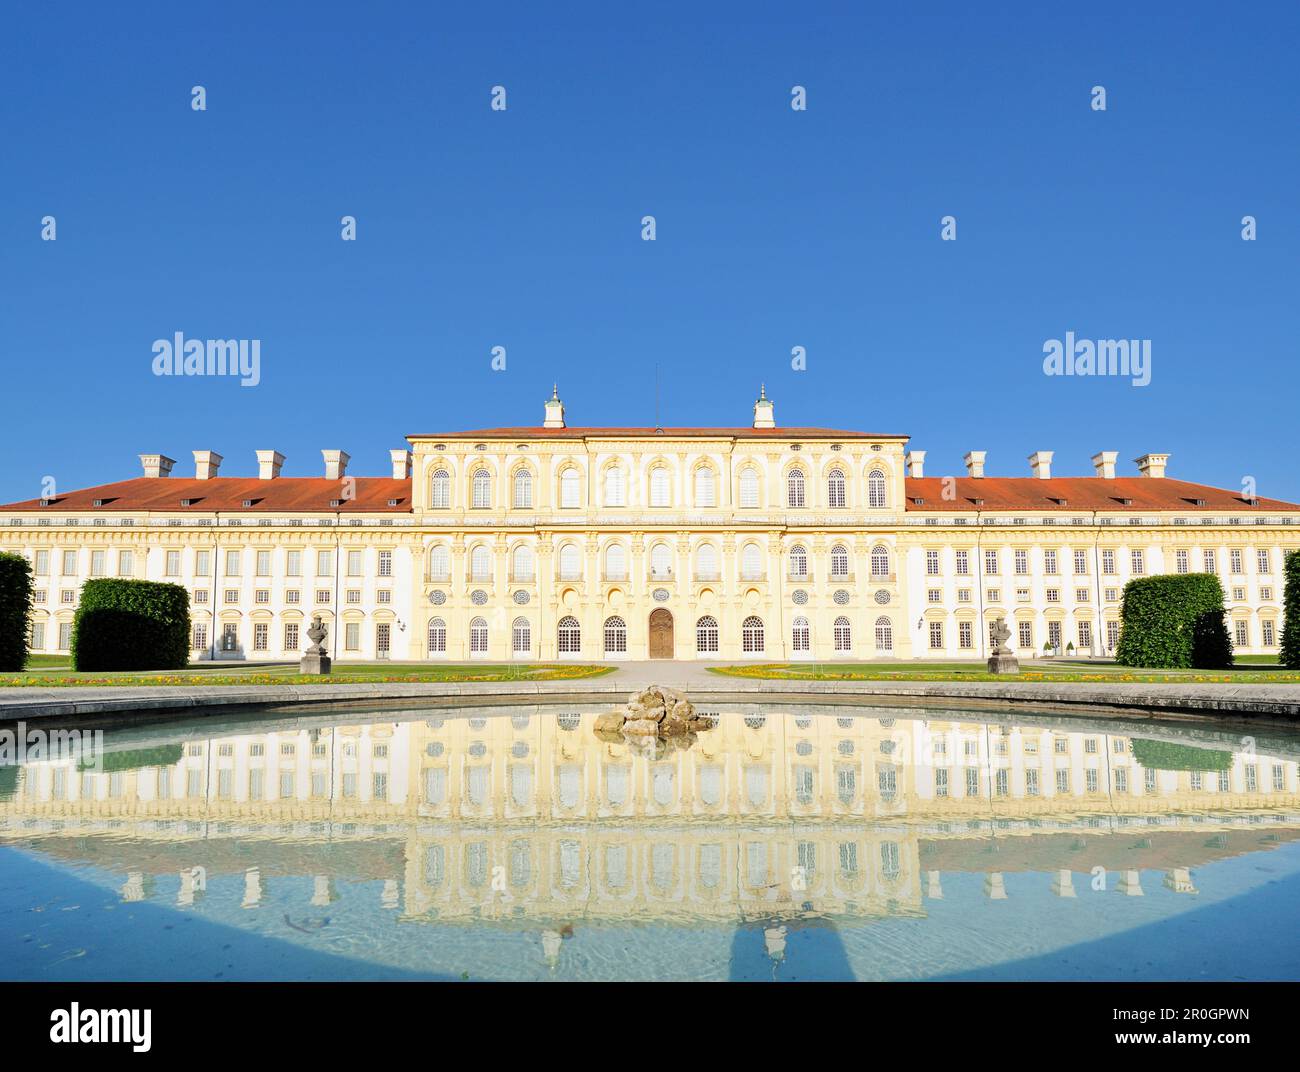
{"x": 658, "y": 427}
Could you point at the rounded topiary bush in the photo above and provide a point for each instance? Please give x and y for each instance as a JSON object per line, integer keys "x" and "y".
{"x": 1174, "y": 621}
{"x": 15, "y": 610}
{"x": 131, "y": 625}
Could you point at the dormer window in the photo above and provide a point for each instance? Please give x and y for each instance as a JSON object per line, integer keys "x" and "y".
{"x": 46, "y": 502}
{"x": 918, "y": 502}
{"x": 188, "y": 502}
{"x": 392, "y": 502}
{"x": 1200, "y": 502}
{"x": 98, "y": 502}
{"x": 336, "y": 502}
{"x": 248, "y": 503}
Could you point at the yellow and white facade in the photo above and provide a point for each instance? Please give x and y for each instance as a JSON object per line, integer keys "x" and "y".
{"x": 553, "y": 542}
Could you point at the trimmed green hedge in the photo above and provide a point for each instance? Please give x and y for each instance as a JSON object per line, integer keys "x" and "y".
{"x": 15, "y": 610}
{"x": 165, "y": 755}
{"x": 1174, "y": 621}
{"x": 1290, "y": 654}
{"x": 1163, "y": 755}
{"x": 131, "y": 625}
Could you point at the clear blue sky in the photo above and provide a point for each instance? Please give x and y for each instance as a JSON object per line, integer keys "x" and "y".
{"x": 522, "y": 229}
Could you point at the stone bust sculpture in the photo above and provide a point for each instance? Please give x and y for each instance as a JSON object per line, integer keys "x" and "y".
{"x": 1001, "y": 634}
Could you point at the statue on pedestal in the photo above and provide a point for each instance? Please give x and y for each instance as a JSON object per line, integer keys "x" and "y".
{"x": 315, "y": 660}
{"x": 1002, "y": 661}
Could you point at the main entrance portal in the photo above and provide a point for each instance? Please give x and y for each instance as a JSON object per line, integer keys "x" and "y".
{"x": 661, "y": 634}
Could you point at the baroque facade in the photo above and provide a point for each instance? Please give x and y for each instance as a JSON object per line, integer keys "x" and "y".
{"x": 589, "y": 543}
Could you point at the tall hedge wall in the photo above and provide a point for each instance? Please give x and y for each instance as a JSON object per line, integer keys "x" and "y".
{"x": 1291, "y": 608}
{"x": 131, "y": 625}
{"x": 15, "y": 610}
{"x": 1174, "y": 620}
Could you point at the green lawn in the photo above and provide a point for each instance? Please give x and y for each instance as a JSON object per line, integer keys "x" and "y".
{"x": 1252, "y": 670}
{"x": 43, "y": 671}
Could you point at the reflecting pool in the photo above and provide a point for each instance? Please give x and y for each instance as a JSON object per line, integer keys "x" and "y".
{"x": 791, "y": 843}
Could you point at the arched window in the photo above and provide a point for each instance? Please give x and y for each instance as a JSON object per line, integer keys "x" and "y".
{"x": 794, "y": 496}
{"x": 480, "y": 563}
{"x": 437, "y": 636}
{"x": 751, "y": 562}
{"x": 661, "y": 561}
{"x": 704, "y": 494}
{"x": 523, "y": 490}
{"x": 798, "y": 563}
{"x": 751, "y": 634}
{"x": 801, "y": 635}
{"x": 879, "y": 561}
{"x": 876, "y": 488}
{"x": 843, "y": 635}
{"x": 478, "y": 637}
{"x": 706, "y": 563}
{"x": 615, "y": 487}
{"x": 615, "y": 634}
{"x": 615, "y": 562}
{"x": 482, "y": 490}
{"x": 836, "y": 498}
{"x": 570, "y": 562}
{"x": 440, "y": 490}
{"x": 569, "y": 636}
{"x": 570, "y": 489}
{"x": 439, "y": 563}
{"x": 660, "y": 488}
{"x": 521, "y": 567}
{"x": 839, "y": 561}
{"x": 521, "y": 637}
{"x": 706, "y": 634}
{"x": 749, "y": 487}
{"x": 884, "y": 634}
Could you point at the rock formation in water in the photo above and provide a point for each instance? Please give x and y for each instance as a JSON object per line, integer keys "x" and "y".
{"x": 653, "y": 713}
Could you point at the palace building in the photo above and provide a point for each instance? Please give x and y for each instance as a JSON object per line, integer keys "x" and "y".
{"x": 586, "y": 543}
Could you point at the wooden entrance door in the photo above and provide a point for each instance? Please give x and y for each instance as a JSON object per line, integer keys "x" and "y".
{"x": 661, "y": 634}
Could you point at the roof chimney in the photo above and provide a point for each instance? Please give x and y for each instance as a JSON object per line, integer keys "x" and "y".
{"x": 157, "y": 465}
{"x": 336, "y": 463}
{"x": 1041, "y": 464}
{"x": 975, "y": 462}
{"x": 1152, "y": 464}
{"x": 1103, "y": 462}
{"x": 268, "y": 464}
{"x": 554, "y": 409}
{"x": 206, "y": 464}
{"x": 401, "y": 463}
{"x": 915, "y": 462}
{"x": 764, "y": 410}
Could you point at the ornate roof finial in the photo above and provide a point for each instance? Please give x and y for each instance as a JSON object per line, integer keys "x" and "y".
{"x": 762, "y": 392}
{"x": 555, "y": 392}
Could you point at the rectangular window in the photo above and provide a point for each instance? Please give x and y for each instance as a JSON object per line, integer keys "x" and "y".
{"x": 232, "y": 563}
{"x": 173, "y": 566}
{"x": 322, "y": 595}
{"x": 1137, "y": 563}
{"x": 932, "y": 563}
{"x": 263, "y": 563}
{"x": 1081, "y": 595}
{"x": 324, "y": 563}
{"x": 38, "y": 636}
{"x": 262, "y": 595}
{"x": 125, "y": 563}
{"x": 1080, "y": 561}
{"x": 69, "y": 563}
{"x": 1112, "y": 635}
{"x": 1234, "y": 559}
{"x": 1207, "y": 562}
{"x": 385, "y": 563}
{"x": 352, "y": 636}
{"x": 1180, "y": 562}
{"x": 934, "y": 595}
{"x": 97, "y": 563}
{"x": 1053, "y": 595}
{"x": 1268, "y": 633}
{"x": 293, "y": 564}
{"x": 354, "y": 563}
{"x": 232, "y": 595}
{"x": 1242, "y": 635}
{"x": 42, "y": 563}
{"x": 65, "y": 636}
{"x": 291, "y": 636}
{"x": 965, "y": 635}
{"x": 1027, "y": 635}
{"x": 354, "y": 595}
{"x": 1261, "y": 556}
{"x": 1085, "y": 635}
{"x": 200, "y": 636}
{"x": 1031, "y": 782}
{"x": 936, "y": 635}
{"x": 963, "y": 563}
{"x": 202, "y": 563}
{"x": 293, "y": 596}
{"x": 1049, "y": 562}
{"x": 260, "y": 633}
{"x": 1108, "y": 561}
{"x": 1022, "y": 562}
{"x": 990, "y": 562}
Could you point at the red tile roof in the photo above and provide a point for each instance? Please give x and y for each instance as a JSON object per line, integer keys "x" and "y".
{"x": 226, "y": 493}
{"x": 534, "y": 432}
{"x": 1076, "y": 494}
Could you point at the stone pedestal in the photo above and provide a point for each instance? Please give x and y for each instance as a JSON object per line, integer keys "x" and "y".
{"x": 1004, "y": 664}
{"x": 313, "y": 663}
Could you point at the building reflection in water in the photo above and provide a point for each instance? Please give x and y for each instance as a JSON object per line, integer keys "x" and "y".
{"x": 768, "y": 821}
